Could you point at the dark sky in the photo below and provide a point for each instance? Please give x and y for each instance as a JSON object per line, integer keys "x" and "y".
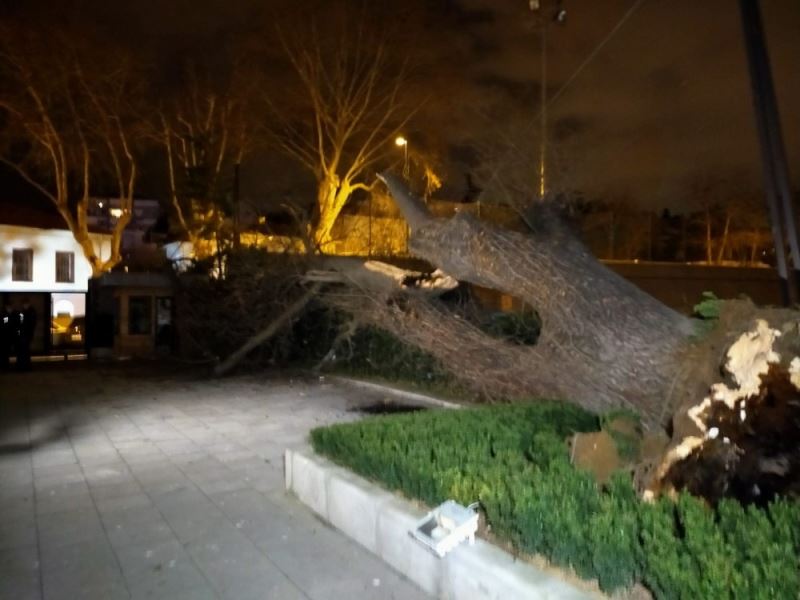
{"x": 665, "y": 100}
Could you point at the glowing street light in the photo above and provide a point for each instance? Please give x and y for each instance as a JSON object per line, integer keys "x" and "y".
{"x": 401, "y": 141}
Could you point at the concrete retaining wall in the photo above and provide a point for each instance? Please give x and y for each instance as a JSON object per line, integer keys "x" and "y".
{"x": 681, "y": 286}
{"x": 380, "y": 522}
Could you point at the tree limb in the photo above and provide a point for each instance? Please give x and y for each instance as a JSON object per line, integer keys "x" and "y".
{"x": 268, "y": 331}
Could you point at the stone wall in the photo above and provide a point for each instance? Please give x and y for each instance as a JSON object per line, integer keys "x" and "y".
{"x": 679, "y": 285}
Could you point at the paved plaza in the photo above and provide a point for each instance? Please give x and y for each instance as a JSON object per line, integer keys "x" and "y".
{"x": 118, "y": 482}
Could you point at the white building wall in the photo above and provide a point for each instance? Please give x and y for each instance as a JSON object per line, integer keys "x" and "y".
{"x": 45, "y": 243}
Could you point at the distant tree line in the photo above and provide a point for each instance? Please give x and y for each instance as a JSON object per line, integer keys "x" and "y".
{"x": 732, "y": 231}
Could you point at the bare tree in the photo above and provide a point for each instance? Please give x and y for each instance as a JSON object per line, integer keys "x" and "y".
{"x": 206, "y": 131}
{"x": 69, "y": 127}
{"x": 732, "y": 214}
{"x": 349, "y": 94}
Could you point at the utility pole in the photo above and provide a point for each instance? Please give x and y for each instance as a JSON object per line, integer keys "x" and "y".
{"x": 237, "y": 240}
{"x": 369, "y": 238}
{"x": 558, "y": 15}
{"x": 773, "y": 155}
{"x": 543, "y": 100}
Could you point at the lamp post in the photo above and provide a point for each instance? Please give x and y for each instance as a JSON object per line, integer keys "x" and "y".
{"x": 403, "y": 142}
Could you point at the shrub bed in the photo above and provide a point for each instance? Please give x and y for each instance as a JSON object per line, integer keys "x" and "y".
{"x": 515, "y": 461}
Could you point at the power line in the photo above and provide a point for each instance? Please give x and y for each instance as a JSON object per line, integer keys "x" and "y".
{"x": 628, "y": 14}
{"x": 595, "y": 51}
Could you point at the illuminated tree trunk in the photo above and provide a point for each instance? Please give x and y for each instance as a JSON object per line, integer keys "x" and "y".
{"x": 330, "y": 201}
{"x": 90, "y": 252}
{"x": 355, "y": 106}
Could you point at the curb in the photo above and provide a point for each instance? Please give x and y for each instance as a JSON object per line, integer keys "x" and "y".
{"x": 380, "y": 522}
{"x": 401, "y": 394}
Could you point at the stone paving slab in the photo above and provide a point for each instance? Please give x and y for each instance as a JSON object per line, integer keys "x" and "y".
{"x": 124, "y": 483}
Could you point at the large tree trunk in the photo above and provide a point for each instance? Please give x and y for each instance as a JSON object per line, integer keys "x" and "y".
{"x": 604, "y": 342}
{"x": 731, "y": 394}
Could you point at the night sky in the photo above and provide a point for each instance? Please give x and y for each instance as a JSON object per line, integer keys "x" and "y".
{"x": 667, "y": 99}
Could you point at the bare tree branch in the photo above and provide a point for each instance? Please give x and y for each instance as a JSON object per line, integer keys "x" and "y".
{"x": 353, "y": 94}
{"x": 66, "y": 103}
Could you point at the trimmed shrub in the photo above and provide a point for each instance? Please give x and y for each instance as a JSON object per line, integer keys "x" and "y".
{"x": 515, "y": 461}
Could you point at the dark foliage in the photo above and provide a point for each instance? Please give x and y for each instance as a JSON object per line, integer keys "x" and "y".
{"x": 521, "y": 327}
{"x": 217, "y": 315}
{"x": 375, "y": 352}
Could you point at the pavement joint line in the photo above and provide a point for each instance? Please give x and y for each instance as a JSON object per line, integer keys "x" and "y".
{"x": 109, "y": 423}
{"x": 40, "y": 566}
{"x": 225, "y": 516}
{"x": 117, "y": 561}
{"x": 255, "y": 546}
{"x": 203, "y": 574}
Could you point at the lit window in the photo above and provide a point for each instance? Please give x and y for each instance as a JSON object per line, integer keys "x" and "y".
{"x": 22, "y": 264}
{"x": 65, "y": 267}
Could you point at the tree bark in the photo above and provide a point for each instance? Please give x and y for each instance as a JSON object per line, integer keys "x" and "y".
{"x": 604, "y": 342}
{"x": 262, "y": 336}
{"x": 731, "y": 395}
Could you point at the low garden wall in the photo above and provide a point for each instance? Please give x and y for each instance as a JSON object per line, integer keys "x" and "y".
{"x": 515, "y": 461}
{"x": 680, "y": 285}
{"x": 381, "y": 522}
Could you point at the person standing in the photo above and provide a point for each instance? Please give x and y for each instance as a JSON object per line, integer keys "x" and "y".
{"x": 26, "y": 327}
{"x": 8, "y": 334}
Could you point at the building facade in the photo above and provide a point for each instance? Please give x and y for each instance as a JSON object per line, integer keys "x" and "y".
{"x": 40, "y": 261}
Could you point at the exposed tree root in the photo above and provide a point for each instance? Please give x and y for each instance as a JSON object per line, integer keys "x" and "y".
{"x": 742, "y": 440}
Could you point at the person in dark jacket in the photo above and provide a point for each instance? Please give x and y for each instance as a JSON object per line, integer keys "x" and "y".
{"x": 8, "y": 334}
{"x": 26, "y": 327}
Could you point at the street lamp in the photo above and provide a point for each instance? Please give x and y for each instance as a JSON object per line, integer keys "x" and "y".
{"x": 401, "y": 141}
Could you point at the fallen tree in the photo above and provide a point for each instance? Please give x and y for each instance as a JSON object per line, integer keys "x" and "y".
{"x": 605, "y": 344}
{"x": 602, "y": 344}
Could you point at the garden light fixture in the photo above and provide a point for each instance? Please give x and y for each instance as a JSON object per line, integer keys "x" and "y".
{"x": 446, "y": 526}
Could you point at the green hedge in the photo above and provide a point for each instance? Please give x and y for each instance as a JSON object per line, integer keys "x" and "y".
{"x": 514, "y": 460}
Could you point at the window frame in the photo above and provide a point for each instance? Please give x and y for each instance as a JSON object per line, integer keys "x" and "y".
{"x": 149, "y": 317}
{"x": 15, "y": 252}
{"x": 70, "y": 268}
